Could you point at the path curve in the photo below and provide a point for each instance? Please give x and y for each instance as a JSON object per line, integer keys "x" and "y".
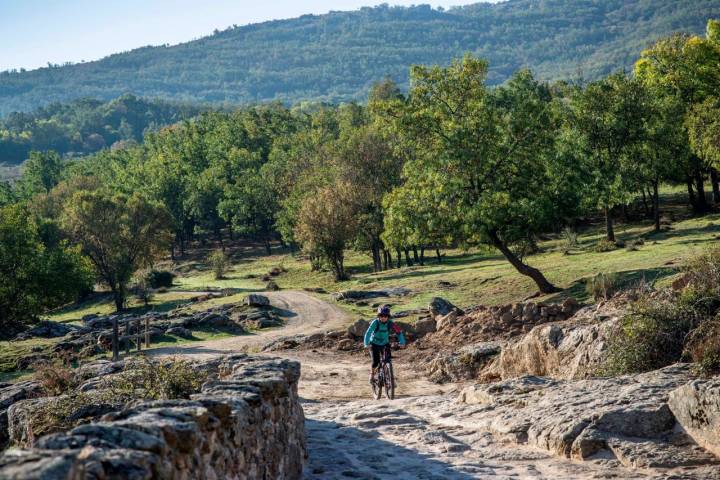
{"x": 303, "y": 315}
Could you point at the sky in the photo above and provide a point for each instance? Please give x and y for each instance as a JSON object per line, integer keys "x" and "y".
{"x": 34, "y": 33}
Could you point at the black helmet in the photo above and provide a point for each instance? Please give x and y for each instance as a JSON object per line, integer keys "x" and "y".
{"x": 383, "y": 310}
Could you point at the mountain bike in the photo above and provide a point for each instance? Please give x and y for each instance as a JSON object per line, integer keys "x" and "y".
{"x": 385, "y": 377}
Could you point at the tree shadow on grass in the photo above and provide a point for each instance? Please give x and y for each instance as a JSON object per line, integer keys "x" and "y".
{"x": 626, "y": 279}
{"x": 338, "y": 451}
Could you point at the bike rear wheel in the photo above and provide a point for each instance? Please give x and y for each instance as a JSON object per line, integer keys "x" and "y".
{"x": 389, "y": 381}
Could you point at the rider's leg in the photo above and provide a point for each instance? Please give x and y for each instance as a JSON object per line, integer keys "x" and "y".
{"x": 375, "y": 355}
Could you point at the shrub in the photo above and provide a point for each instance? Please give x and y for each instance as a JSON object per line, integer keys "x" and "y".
{"x": 55, "y": 378}
{"x": 634, "y": 245}
{"x": 158, "y": 380}
{"x": 219, "y": 264}
{"x": 702, "y": 273}
{"x": 703, "y": 347}
{"x": 651, "y": 336}
{"x": 570, "y": 239}
{"x": 142, "y": 289}
{"x": 605, "y": 245}
{"x": 603, "y": 285}
{"x": 160, "y": 278}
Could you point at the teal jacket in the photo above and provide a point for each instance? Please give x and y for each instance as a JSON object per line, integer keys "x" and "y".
{"x": 378, "y": 333}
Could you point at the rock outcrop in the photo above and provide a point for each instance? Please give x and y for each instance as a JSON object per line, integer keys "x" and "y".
{"x": 627, "y": 418}
{"x": 245, "y": 424}
{"x": 696, "y": 406}
{"x": 9, "y": 395}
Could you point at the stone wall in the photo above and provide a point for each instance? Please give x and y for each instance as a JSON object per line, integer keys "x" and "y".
{"x": 245, "y": 424}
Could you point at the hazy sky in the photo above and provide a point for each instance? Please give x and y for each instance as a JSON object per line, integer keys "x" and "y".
{"x": 35, "y": 32}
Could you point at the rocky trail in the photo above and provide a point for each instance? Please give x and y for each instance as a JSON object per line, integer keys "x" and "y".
{"x": 426, "y": 433}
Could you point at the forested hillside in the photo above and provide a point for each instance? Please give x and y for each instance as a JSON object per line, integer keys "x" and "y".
{"x": 85, "y": 125}
{"x": 336, "y": 57}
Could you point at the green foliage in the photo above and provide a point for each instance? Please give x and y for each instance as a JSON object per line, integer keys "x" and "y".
{"x": 156, "y": 379}
{"x": 650, "y": 337}
{"x": 570, "y": 239}
{"x": 160, "y": 278}
{"x": 119, "y": 234}
{"x": 603, "y": 285}
{"x": 336, "y": 57}
{"x": 703, "y": 347}
{"x": 604, "y": 245}
{"x": 36, "y": 274}
{"x": 41, "y": 173}
{"x": 83, "y": 126}
{"x": 219, "y": 263}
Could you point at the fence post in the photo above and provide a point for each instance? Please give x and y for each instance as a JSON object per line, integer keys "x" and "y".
{"x": 127, "y": 336}
{"x": 137, "y": 334}
{"x": 115, "y": 343}
{"x": 147, "y": 332}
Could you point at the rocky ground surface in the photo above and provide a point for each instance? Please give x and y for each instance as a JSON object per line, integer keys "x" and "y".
{"x": 503, "y": 392}
{"x": 94, "y": 336}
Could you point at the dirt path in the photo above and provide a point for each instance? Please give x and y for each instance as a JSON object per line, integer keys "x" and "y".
{"x": 423, "y": 434}
{"x": 303, "y": 315}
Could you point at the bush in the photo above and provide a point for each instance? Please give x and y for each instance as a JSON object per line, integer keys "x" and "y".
{"x": 219, "y": 264}
{"x": 141, "y": 288}
{"x": 158, "y": 380}
{"x": 160, "y": 278}
{"x": 603, "y": 285}
{"x": 651, "y": 336}
{"x": 570, "y": 239}
{"x": 605, "y": 245}
{"x": 55, "y": 378}
{"x": 634, "y": 245}
{"x": 702, "y": 273}
{"x": 703, "y": 347}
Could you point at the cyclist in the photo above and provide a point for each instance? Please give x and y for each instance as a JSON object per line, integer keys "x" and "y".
{"x": 377, "y": 337}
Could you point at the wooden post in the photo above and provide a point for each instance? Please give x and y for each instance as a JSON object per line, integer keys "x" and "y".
{"x": 137, "y": 334}
{"x": 147, "y": 332}
{"x": 115, "y": 342}
{"x": 127, "y": 336}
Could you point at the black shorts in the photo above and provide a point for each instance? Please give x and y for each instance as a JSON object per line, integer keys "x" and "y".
{"x": 376, "y": 351}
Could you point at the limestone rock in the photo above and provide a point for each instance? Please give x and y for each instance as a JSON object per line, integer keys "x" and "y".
{"x": 181, "y": 332}
{"x": 696, "y": 406}
{"x": 441, "y": 307}
{"x": 446, "y": 321}
{"x": 358, "y": 329}
{"x": 257, "y": 300}
{"x": 628, "y": 417}
{"x": 424, "y": 326}
{"x": 10, "y": 395}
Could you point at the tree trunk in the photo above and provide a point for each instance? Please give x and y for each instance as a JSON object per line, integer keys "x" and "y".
{"x": 119, "y": 298}
{"x": 408, "y": 262}
{"x": 715, "y": 185}
{"x": 399, "y": 257}
{"x": 385, "y": 254}
{"x": 691, "y": 194}
{"x": 268, "y": 249}
{"x": 645, "y": 203}
{"x": 703, "y": 206}
{"x": 416, "y": 257}
{"x": 377, "y": 261}
{"x": 542, "y": 283}
{"x": 610, "y": 232}
{"x": 437, "y": 254}
{"x": 422, "y": 256}
{"x": 656, "y": 205}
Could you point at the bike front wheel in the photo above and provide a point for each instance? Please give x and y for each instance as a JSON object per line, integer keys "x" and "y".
{"x": 389, "y": 381}
{"x": 377, "y": 385}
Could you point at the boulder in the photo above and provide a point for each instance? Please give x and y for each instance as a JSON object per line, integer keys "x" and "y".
{"x": 447, "y": 321}
{"x": 256, "y": 300}
{"x": 9, "y": 395}
{"x": 564, "y": 350}
{"x": 355, "y": 295}
{"x": 45, "y": 329}
{"x": 624, "y": 417}
{"x": 424, "y": 326}
{"x": 181, "y": 332}
{"x": 271, "y": 286}
{"x": 441, "y": 307}
{"x": 466, "y": 364}
{"x": 358, "y": 329}
{"x": 696, "y": 406}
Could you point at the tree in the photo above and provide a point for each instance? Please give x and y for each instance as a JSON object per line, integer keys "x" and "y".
{"x": 119, "y": 234}
{"x": 42, "y": 172}
{"x": 489, "y": 149}
{"x": 35, "y": 274}
{"x": 327, "y": 222}
{"x": 607, "y": 120}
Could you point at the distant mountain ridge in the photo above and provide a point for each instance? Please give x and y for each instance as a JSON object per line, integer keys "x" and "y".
{"x": 337, "y": 56}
